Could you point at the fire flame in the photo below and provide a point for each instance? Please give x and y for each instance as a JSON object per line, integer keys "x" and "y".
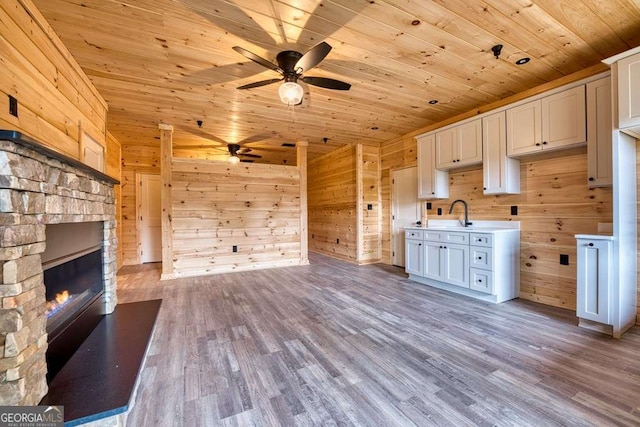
{"x": 59, "y": 300}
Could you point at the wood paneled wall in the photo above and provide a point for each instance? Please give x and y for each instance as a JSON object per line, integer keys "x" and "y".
{"x": 368, "y": 179}
{"x": 216, "y": 206}
{"x": 114, "y": 168}
{"x": 332, "y": 204}
{"x": 55, "y": 97}
{"x": 137, "y": 158}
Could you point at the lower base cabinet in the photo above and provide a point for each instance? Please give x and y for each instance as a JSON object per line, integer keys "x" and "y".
{"x": 481, "y": 264}
{"x": 594, "y": 280}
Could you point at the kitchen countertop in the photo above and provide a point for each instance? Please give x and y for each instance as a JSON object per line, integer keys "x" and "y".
{"x": 475, "y": 227}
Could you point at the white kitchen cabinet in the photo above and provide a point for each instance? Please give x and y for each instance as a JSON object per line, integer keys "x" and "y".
{"x": 629, "y": 93}
{"x": 548, "y": 123}
{"x": 414, "y": 252}
{"x": 501, "y": 174}
{"x": 460, "y": 145}
{"x": 599, "y": 133}
{"x": 594, "y": 279}
{"x": 481, "y": 264}
{"x": 432, "y": 183}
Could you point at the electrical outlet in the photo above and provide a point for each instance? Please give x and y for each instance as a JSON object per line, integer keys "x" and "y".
{"x": 13, "y": 106}
{"x": 429, "y": 205}
{"x": 369, "y": 207}
{"x": 564, "y": 259}
{"x": 439, "y": 211}
{"x": 338, "y": 241}
{"x": 514, "y": 210}
{"x": 235, "y": 248}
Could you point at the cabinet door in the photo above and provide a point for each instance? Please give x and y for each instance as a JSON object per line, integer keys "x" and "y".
{"x": 432, "y": 183}
{"x": 524, "y": 129}
{"x": 446, "y": 148}
{"x": 433, "y": 260}
{"x": 594, "y": 283}
{"x": 564, "y": 118}
{"x": 414, "y": 257}
{"x": 469, "y": 143}
{"x": 501, "y": 174}
{"x": 628, "y": 90}
{"x": 455, "y": 266}
{"x": 599, "y": 133}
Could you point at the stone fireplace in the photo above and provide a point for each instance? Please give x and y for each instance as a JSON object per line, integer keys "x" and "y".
{"x": 39, "y": 187}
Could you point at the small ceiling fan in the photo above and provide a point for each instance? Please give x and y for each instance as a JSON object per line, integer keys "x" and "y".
{"x": 235, "y": 151}
{"x": 292, "y": 65}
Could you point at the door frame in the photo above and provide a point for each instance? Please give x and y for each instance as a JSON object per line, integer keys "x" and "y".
{"x": 392, "y": 173}
{"x": 139, "y": 176}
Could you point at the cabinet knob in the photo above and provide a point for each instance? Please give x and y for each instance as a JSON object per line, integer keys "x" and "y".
{"x": 544, "y": 142}
{"x": 591, "y": 178}
{"x": 419, "y": 244}
{"x": 484, "y": 188}
{"x": 433, "y": 192}
{"x": 440, "y": 247}
{"x": 537, "y": 144}
{"x": 479, "y": 280}
{"x": 590, "y": 244}
{"x": 444, "y": 247}
{"x": 479, "y": 257}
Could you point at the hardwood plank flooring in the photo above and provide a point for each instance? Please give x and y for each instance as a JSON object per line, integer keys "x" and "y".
{"x": 332, "y": 343}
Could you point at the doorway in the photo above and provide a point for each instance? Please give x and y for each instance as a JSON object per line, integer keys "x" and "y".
{"x": 405, "y": 210}
{"x": 149, "y": 218}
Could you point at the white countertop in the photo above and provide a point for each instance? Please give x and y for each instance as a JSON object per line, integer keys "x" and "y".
{"x": 475, "y": 227}
{"x": 594, "y": 236}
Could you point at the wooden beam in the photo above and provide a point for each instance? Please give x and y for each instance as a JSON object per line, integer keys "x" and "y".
{"x": 359, "y": 201}
{"x": 166, "y": 142}
{"x": 301, "y": 147}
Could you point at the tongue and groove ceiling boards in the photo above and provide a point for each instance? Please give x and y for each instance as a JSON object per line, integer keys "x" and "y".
{"x": 171, "y": 61}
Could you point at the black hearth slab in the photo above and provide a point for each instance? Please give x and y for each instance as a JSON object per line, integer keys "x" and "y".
{"x": 26, "y": 141}
{"x": 98, "y": 380}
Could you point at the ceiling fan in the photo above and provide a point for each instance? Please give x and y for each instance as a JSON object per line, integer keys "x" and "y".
{"x": 235, "y": 151}
{"x": 292, "y": 65}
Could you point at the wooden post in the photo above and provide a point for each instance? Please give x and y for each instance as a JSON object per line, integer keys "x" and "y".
{"x": 166, "y": 142}
{"x": 359, "y": 202}
{"x": 304, "y": 228}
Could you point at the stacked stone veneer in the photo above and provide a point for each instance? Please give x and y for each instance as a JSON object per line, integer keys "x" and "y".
{"x": 36, "y": 190}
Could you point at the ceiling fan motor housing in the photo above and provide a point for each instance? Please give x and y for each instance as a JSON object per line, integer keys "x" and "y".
{"x": 287, "y": 60}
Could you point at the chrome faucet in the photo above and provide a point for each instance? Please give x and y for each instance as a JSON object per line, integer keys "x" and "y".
{"x": 466, "y": 211}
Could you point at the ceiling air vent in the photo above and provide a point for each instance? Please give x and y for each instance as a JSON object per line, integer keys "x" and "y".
{"x": 288, "y": 144}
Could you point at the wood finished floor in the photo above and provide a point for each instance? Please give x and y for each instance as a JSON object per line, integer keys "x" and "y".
{"x": 336, "y": 344}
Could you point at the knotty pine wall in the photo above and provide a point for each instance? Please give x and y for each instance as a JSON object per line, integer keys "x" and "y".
{"x": 332, "y": 197}
{"x": 368, "y": 178}
{"x": 255, "y": 207}
{"x": 137, "y": 158}
{"x": 55, "y": 97}
{"x": 554, "y": 205}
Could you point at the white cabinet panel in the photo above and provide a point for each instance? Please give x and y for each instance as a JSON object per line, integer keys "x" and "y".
{"x": 501, "y": 174}
{"x": 524, "y": 128}
{"x": 599, "y": 133}
{"x": 629, "y": 92}
{"x": 414, "y": 257}
{"x": 481, "y": 280}
{"x": 459, "y": 145}
{"x": 455, "y": 264}
{"x": 433, "y": 260}
{"x": 594, "y": 280}
{"x": 446, "y": 148}
{"x": 432, "y": 183}
{"x": 481, "y": 257}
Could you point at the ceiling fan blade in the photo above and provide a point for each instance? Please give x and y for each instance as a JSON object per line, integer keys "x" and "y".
{"x": 260, "y": 83}
{"x": 326, "y": 83}
{"x": 312, "y": 58}
{"x": 244, "y": 150}
{"x": 257, "y": 59}
{"x": 253, "y": 156}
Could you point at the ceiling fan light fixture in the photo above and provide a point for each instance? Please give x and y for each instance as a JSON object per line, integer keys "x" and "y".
{"x": 233, "y": 153}
{"x": 291, "y": 93}
{"x": 233, "y": 159}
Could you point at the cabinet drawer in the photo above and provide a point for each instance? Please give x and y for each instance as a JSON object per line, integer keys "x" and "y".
{"x": 481, "y": 257}
{"x": 481, "y": 239}
{"x": 481, "y": 280}
{"x": 413, "y": 234}
{"x": 447, "y": 236}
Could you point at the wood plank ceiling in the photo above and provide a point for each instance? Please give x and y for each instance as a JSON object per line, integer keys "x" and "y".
{"x": 172, "y": 61}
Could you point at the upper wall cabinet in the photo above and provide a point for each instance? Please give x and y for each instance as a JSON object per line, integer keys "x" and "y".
{"x": 552, "y": 122}
{"x": 432, "y": 183}
{"x": 459, "y": 145}
{"x": 501, "y": 174}
{"x": 626, "y": 71}
{"x": 599, "y": 133}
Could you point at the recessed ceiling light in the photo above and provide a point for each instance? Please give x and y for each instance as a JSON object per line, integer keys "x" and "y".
{"x": 415, "y": 22}
{"x": 523, "y": 61}
{"x": 433, "y": 101}
{"x": 374, "y": 128}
